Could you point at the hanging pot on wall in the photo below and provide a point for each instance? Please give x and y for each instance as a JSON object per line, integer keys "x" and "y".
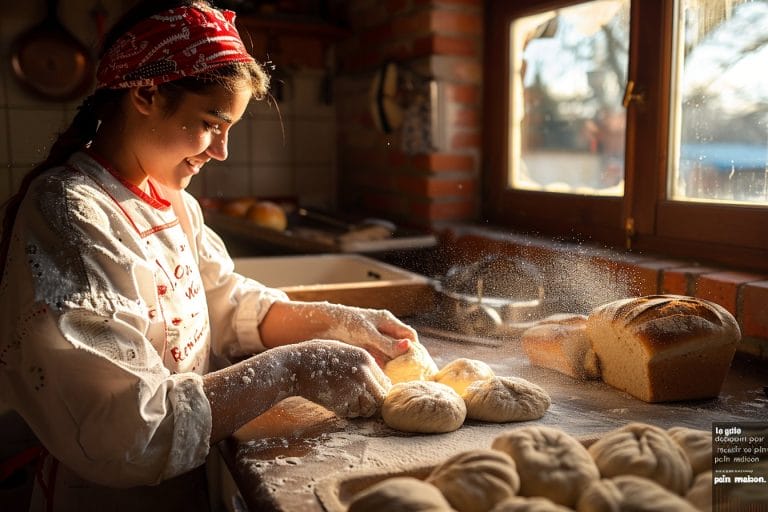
{"x": 51, "y": 62}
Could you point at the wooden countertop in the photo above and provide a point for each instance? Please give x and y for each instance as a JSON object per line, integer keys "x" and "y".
{"x": 297, "y": 454}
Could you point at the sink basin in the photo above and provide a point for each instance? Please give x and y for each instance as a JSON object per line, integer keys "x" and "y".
{"x": 350, "y": 279}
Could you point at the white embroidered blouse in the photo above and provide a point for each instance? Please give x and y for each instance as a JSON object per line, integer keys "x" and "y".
{"x": 108, "y": 319}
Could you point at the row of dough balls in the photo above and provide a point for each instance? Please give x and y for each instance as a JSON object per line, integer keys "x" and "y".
{"x": 425, "y": 400}
{"x": 637, "y": 467}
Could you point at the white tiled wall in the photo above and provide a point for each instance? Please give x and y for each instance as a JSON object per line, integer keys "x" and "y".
{"x": 288, "y": 150}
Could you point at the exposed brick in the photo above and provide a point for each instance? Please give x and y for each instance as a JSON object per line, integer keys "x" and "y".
{"x": 435, "y": 187}
{"x": 753, "y": 316}
{"x": 459, "y": 93}
{"x": 461, "y": 46}
{"x": 467, "y": 117}
{"x": 467, "y": 139}
{"x": 458, "y": 69}
{"x": 376, "y": 36}
{"x": 412, "y": 24}
{"x": 446, "y": 21}
{"x": 444, "y": 210}
{"x": 682, "y": 280}
{"x": 444, "y": 162}
{"x": 722, "y": 287}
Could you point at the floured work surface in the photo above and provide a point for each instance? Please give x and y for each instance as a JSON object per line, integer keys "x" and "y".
{"x": 297, "y": 451}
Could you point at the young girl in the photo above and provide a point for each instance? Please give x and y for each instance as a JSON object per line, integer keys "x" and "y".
{"x": 116, "y": 296}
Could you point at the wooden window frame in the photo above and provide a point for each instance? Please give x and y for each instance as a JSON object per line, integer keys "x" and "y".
{"x": 732, "y": 235}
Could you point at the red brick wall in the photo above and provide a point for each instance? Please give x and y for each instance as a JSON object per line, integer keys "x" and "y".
{"x": 442, "y": 40}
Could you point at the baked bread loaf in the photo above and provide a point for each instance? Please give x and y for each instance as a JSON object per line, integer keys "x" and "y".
{"x": 560, "y": 342}
{"x": 662, "y": 348}
{"x": 268, "y": 215}
{"x": 237, "y": 207}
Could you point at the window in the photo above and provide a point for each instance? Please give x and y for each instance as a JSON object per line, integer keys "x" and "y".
{"x": 632, "y": 124}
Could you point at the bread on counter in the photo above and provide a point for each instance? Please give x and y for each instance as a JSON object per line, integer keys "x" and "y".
{"x": 662, "y": 348}
{"x": 560, "y": 342}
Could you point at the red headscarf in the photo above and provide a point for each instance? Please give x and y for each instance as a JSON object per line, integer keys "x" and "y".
{"x": 180, "y": 42}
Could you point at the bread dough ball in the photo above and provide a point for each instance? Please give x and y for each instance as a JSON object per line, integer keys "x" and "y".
{"x": 532, "y": 504}
{"x": 700, "y": 493}
{"x": 551, "y": 463}
{"x": 503, "y": 399}
{"x": 462, "y": 372}
{"x": 630, "y": 492}
{"x": 643, "y": 450}
{"x": 414, "y": 364}
{"x": 475, "y": 480}
{"x": 423, "y": 406}
{"x": 404, "y": 494}
{"x": 697, "y": 445}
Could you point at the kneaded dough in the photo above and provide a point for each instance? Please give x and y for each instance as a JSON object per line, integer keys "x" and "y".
{"x": 404, "y": 494}
{"x": 532, "y": 504}
{"x": 700, "y": 493}
{"x": 697, "y": 445}
{"x": 643, "y": 450}
{"x": 630, "y": 492}
{"x": 475, "y": 480}
{"x": 414, "y": 364}
{"x": 550, "y": 462}
{"x": 423, "y": 406}
{"x": 503, "y": 399}
{"x": 462, "y": 372}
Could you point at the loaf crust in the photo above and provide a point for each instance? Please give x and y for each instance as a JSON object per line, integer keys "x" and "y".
{"x": 662, "y": 348}
{"x": 560, "y": 343}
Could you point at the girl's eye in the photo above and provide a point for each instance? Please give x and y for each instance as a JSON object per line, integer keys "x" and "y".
{"x": 213, "y": 128}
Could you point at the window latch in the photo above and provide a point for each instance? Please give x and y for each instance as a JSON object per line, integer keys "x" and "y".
{"x": 630, "y": 95}
{"x": 629, "y": 232}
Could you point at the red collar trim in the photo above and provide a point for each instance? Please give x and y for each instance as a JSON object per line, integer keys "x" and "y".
{"x": 153, "y": 199}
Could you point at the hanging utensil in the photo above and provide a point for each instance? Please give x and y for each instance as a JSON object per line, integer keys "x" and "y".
{"x": 51, "y": 62}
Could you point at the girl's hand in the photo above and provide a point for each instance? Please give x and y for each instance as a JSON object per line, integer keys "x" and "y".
{"x": 376, "y": 330}
{"x": 341, "y": 378}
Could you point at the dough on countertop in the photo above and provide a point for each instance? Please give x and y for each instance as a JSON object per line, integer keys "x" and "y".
{"x": 532, "y": 504}
{"x": 643, "y": 450}
{"x": 475, "y": 480}
{"x": 697, "y": 445}
{"x": 462, "y": 372}
{"x": 630, "y": 492}
{"x": 505, "y": 399}
{"x": 423, "y": 406}
{"x": 414, "y": 364}
{"x": 404, "y": 494}
{"x": 550, "y": 462}
{"x": 700, "y": 493}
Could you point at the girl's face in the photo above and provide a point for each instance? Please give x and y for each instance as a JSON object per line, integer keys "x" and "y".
{"x": 176, "y": 145}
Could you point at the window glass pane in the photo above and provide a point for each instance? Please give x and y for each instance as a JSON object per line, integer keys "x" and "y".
{"x": 567, "y": 123}
{"x": 720, "y": 106}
